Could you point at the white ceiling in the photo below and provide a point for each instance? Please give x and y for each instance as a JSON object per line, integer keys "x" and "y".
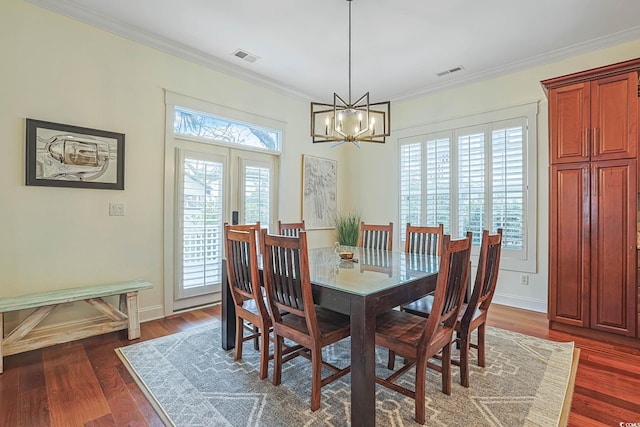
{"x": 398, "y": 46}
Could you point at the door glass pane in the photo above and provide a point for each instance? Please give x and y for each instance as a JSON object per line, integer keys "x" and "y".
{"x": 257, "y": 194}
{"x": 201, "y": 223}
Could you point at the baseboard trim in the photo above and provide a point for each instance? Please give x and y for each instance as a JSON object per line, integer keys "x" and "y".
{"x": 151, "y": 313}
{"x": 520, "y": 302}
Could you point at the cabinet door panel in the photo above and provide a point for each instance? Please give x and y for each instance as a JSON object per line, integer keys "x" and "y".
{"x": 569, "y": 116}
{"x": 614, "y": 112}
{"x": 613, "y": 243}
{"x": 569, "y": 244}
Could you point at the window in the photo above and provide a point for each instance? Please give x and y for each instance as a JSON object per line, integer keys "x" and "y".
{"x": 207, "y": 126}
{"x": 472, "y": 174}
{"x": 201, "y": 217}
{"x": 257, "y": 192}
{"x": 220, "y": 164}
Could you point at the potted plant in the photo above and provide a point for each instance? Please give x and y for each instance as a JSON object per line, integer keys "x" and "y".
{"x": 348, "y": 228}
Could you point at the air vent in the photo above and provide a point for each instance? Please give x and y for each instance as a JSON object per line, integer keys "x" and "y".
{"x": 243, "y": 54}
{"x": 452, "y": 70}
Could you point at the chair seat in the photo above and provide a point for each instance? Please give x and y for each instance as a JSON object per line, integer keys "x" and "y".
{"x": 401, "y": 331}
{"x": 328, "y": 322}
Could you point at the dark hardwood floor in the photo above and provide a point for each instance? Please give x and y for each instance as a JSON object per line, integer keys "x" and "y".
{"x": 83, "y": 383}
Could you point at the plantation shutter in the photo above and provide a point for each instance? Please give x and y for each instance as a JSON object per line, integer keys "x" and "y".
{"x": 471, "y": 185}
{"x": 410, "y": 186}
{"x": 201, "y": 216}
{"x": 257, "y": 194}
{"x": 509, "y": 185}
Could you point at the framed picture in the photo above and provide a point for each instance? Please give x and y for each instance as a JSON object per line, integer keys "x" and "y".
{"x": 61, "y": 155}
{"x": 319, "y": 188}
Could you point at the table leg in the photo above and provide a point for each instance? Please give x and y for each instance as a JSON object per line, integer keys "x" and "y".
{"x": 228, "y": 312}
{"x": 363, "y": 364}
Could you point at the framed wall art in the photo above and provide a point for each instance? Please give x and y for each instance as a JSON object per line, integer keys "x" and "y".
{"x": 319, "y": 192}
{"x": 60, "y": 155}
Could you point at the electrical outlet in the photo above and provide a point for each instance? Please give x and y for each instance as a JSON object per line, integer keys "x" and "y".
{"x": 116, "y": 209}
{"x": 524, "y": 279}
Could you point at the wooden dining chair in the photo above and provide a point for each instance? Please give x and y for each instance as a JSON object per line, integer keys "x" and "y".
{"x": 473, "y": 315}
{"x": 374, "y": 236}
{"x": 416, "y": 338}
{"x": 288, "y": 286}
{"x": 246, "y": 290}
{"x": 423, "y": 239}
{"x": 291, "y": 229}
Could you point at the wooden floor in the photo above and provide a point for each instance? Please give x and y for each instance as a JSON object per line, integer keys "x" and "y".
{"x": 83, "y": 383}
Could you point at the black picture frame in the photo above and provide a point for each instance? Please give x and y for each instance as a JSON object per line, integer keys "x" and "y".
{"x": 60, "y": 155}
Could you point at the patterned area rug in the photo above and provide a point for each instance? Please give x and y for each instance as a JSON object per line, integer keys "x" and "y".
{"x": 193, "y": 382}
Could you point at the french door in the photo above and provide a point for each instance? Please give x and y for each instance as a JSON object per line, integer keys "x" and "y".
{"x": 214, "y": 185}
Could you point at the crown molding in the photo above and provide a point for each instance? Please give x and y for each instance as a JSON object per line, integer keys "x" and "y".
{"x": 87, "y": 16}
{"x": 545, "y": 58}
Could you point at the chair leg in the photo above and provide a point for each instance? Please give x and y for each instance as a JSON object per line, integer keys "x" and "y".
{"x": 464, "y": 359}
{"x": 256, "y": 345}
{"x": 277, "y": 359}
{"x": 264, "y": 353}
{"x": 239, "y": 336}
{"x": 392, "y": 360}
{"x": 316, "y": 377}
{"x": 481, "y": 359}
{"x": 421, "y": 385}
{"x": 446, "y": 369}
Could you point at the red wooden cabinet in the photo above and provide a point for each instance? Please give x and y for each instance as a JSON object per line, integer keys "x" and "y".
{"x": 593, "y": 145}
{"x": 594, "y": 120}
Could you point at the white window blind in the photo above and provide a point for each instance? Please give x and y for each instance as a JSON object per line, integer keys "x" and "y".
{"x": 438, "y": 188}
{"x": 471, "y": 188}
{"x": 410, "y": 185}
{"x": 508, "y": 186}
{"x": 257, "y": 185}
{"x": 202, "y": 222}
{"x": 474, "y": 176}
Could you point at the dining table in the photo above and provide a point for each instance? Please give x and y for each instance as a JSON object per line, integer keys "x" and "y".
{"x": 371, "y": 283}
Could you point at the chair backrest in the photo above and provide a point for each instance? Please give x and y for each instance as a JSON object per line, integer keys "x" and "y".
{"x": 376, "y": 236}
{"x": 487, "y": 273}
{"x": 248, "y": 227}
{"x": 285, "y": 262}
{"x": 290, "y": 229}
{"x": 242, "y": 265}
{"x": 424, "y": 240}
{"x": 453, "y": 275}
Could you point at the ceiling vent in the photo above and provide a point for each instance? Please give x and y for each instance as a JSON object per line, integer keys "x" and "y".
{"x": 452, "y": 70}
{"x": 243, "y": 54}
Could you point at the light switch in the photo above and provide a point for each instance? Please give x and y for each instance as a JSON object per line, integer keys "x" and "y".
{"x": 116, "y": 209}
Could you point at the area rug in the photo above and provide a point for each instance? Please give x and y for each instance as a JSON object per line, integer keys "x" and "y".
{"x": 192, "y": 381}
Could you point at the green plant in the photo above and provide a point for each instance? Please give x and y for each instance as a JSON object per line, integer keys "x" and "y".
{"x": 348, "y": 228}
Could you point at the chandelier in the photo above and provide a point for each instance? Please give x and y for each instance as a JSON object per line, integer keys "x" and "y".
{"x": 359, "y": 121}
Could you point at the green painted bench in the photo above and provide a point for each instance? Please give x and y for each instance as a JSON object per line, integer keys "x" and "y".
{"x": 24, "y": 337}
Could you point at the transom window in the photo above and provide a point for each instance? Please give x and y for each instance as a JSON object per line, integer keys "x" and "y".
{"x": 207, "y": 126}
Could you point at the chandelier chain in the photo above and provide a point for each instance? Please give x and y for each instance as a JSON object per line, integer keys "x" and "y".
{"x": 349, "y": 51}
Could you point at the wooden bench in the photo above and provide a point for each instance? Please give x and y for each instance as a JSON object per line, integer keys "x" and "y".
{"x": 24, "y": 337}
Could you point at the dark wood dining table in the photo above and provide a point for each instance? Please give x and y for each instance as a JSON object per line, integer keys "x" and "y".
{"x": 378, "y": 281}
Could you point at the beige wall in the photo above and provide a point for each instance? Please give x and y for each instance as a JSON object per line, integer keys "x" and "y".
{"x": 57, "y": 69}
{"x": 510, "y": 90}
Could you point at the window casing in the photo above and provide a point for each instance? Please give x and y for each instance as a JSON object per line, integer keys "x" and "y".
{"x": 471, "y": 174}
